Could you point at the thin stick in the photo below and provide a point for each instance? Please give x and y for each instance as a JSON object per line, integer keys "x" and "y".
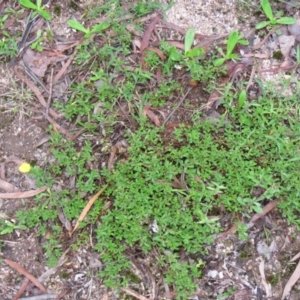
{"x": 180, "y": 102}
{"x": 50, "y": 93}
{"x": 251, "y": 78}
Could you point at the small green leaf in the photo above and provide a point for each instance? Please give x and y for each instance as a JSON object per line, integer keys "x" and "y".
{"x": 267, "y": 9}
{"x": 220, "y": 61}
{"x": 243, "y": 42}
{"x": 232, "y": 41}
{"x": 257, "y": 208}
{"x": 39, "y": 4}
{"x": 233, "y": 56}
{"x": 262, "y": 24}
{"x": 21, "y": 227}
{"x": 189, "y": 39}
{"x": 195, "y": 52}
{"x": 46, "y": 15}
{"x": 88, "y": 34}
{"x": 298, "y": 53}
{"x": 7, "y": 230}
{"x": 76, "y": 25}
{"x": 28, "y": 4}
{"x": 100, "y": 27}
{"x": 174, "y": 54}
{"x": 286, "y": 21}
{"x": 242, "y": 99}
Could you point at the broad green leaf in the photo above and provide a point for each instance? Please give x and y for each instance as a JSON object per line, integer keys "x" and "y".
{"x": 286, "y": 21}
{"x": 100, "y": 27}
{"x": 189, "y": 39}
{"x": 46, "y": 15}
{"x": 232, "y": 41}
{"x": 76, "y": 25}
{"x": 262, "y": 24}
{"x": 28, "y": 4}
{"x": 220, "y": 61}
{"x": 195, "y": 52}
{"x": 267, "y": 9}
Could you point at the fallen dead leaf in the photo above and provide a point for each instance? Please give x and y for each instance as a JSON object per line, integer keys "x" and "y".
{"x": 38, "y": 62}
{"x": 20, "y": 195}
{"x": 151, "y": 115}
{"x": 148, "y": 32}
{"x": 22, "y": 271}
{"x": 291, "y": 282}
{"x": 87, "y": 208}
{"x": 6, "y": 186}
{"x": 263, "y": 277}
{"x": 22, "y": 288}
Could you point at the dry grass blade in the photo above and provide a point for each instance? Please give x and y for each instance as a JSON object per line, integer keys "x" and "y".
{"x": 20, "y": 195}
{"x": 87, "y": 208}
{"x": 36, "y": 91}
{"x": 113, "y": 152}
{"x": 291, "y": 282}
{"x": 22, "y": 271}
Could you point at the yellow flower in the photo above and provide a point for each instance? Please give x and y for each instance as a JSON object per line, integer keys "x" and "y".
{"x": 24, "y": 167}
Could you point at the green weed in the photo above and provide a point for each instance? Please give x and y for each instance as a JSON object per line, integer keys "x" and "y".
{"x": 166, "y": 193}
{"x": 273, "y": 21}
{"x": 37, "y": 8}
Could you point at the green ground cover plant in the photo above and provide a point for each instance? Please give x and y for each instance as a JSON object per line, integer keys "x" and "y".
{"x": 165, "y": 194}
{"x": 260, "y": 142}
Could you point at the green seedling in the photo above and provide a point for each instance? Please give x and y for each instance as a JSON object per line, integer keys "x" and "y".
{"x": 176, "y": 55}
{"x": 242, "y": 99}
{"x": 188, "y": 42}
{"x": 88, "y": 32}
{"x": 9, "y": 227}
{"x": 272, "y": 20}
{"x": 36, "y": 7}
{"x": 233, "y": 39}
{"x": 36, "y": 45}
